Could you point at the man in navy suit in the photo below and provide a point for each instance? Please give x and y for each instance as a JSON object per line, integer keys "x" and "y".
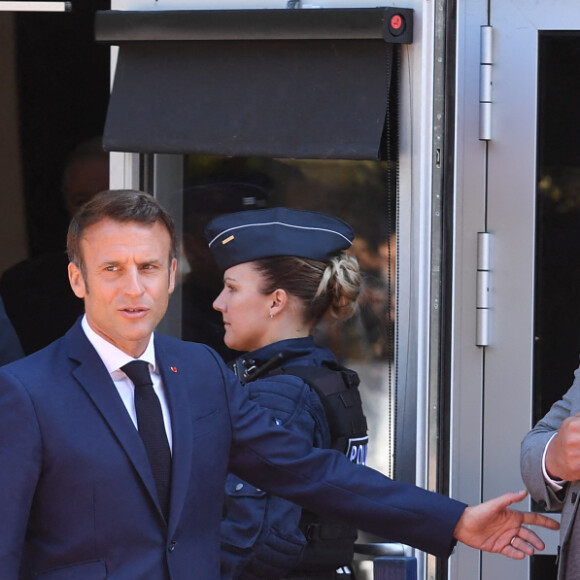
{"x": 78, "y": 496}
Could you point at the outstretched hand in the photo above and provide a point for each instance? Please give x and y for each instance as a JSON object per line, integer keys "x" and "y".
{"x": 492, "y": 527}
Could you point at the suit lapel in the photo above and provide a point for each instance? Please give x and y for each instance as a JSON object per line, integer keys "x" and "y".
{"x": 177, "y": 391}
{"x": 94, "y": 378}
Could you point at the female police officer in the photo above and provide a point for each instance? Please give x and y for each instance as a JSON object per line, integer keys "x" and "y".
{"x": 284, "y": 271}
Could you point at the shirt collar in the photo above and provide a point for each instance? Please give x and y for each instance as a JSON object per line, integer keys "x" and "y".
{"x": 290, "y": 347}
{"x": 113, "y": 357}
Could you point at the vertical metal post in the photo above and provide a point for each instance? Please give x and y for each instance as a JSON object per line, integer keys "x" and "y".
{"x": 435, "y": 411}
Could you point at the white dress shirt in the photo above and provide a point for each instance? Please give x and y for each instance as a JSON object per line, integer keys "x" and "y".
{"x": 114, "y": 358}
{"x": 555, "y": 484}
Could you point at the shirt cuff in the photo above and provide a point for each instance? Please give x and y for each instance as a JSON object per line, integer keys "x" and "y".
{"x": 555, "y": 484}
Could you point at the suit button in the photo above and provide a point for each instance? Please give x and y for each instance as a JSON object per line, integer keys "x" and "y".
{"x": 574, "y": 496}
{"x": 172, "y": 546}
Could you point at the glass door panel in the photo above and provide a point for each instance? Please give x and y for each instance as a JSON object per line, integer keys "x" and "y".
{"x": 557, "y": 264}
{"x": 361, "y": 193}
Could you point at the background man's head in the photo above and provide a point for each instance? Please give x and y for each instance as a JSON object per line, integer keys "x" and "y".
{"x": 85, "y": 174}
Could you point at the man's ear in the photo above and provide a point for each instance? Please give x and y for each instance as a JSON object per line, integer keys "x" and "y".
{"x": 77, "y": 281}
{"x": 172, "y": 271}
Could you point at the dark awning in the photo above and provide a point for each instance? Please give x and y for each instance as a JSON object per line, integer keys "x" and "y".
{"x": 276, "y": 83}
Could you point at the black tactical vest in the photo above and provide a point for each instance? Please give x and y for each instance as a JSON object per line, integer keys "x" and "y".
{"x": 331, "y": 543}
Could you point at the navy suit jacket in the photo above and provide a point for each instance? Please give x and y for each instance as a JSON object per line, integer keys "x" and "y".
{"x": 77, "y": 496}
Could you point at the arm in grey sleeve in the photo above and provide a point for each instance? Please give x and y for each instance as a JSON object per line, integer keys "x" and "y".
{"x": 535, "y": 442}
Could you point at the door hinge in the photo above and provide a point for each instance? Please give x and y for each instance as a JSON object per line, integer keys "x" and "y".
{"x": 485, "y": 82}
{"x": 483, "y": 289}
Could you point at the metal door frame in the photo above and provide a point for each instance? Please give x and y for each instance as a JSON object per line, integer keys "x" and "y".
{"x": 495, "y": 191}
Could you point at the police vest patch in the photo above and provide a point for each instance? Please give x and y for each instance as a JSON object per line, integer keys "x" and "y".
{"x": 357, "y": 450}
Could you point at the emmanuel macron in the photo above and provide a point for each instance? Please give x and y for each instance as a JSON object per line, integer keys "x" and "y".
{"x": 78, "y": 495}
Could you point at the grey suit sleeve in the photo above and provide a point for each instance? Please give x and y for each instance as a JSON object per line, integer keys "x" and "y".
{"x": 536, "y": 440}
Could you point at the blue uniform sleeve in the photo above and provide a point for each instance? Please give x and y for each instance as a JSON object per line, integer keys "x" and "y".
{"x": 325, "y": 482}
{"x": 260, "y": 534}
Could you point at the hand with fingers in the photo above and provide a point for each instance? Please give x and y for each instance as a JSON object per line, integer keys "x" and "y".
{"x": 563, "y": 453}
{"x": 493, "y": 527}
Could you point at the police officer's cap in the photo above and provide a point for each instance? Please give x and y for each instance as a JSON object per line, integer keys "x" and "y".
{"x": 250, "y": 235}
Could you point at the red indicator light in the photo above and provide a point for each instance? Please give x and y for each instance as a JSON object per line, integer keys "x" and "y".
{"x": 398, "y": 25}
{"x": 396, "y": 22}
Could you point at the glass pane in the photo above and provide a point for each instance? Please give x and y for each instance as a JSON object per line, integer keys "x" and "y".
{"x": 53, "y": 94}
{"x": 557, "y": 308}
{"x": 355, "y": 191}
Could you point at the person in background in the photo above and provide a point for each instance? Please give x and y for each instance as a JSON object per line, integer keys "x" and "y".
{"x": 276, "y": 289}
{"x": 116, "y": 441}
{"x": 86, "y": 172}
{"x": 201, "y": 203}
{"x": 10, "y": 348}
{"x": 36, "y": 291}
{"x": 550, "y": 466}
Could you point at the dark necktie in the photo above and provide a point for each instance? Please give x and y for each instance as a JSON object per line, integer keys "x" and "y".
{"x": 151, "y": 428}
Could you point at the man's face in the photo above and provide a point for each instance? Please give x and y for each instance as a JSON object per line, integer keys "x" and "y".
{"x": 129, "y": 278}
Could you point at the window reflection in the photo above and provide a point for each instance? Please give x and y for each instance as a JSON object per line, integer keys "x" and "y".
{"x": 355, "y": 191}
{"x": 557, "y": 309}
{"x": 557, "y": 267}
